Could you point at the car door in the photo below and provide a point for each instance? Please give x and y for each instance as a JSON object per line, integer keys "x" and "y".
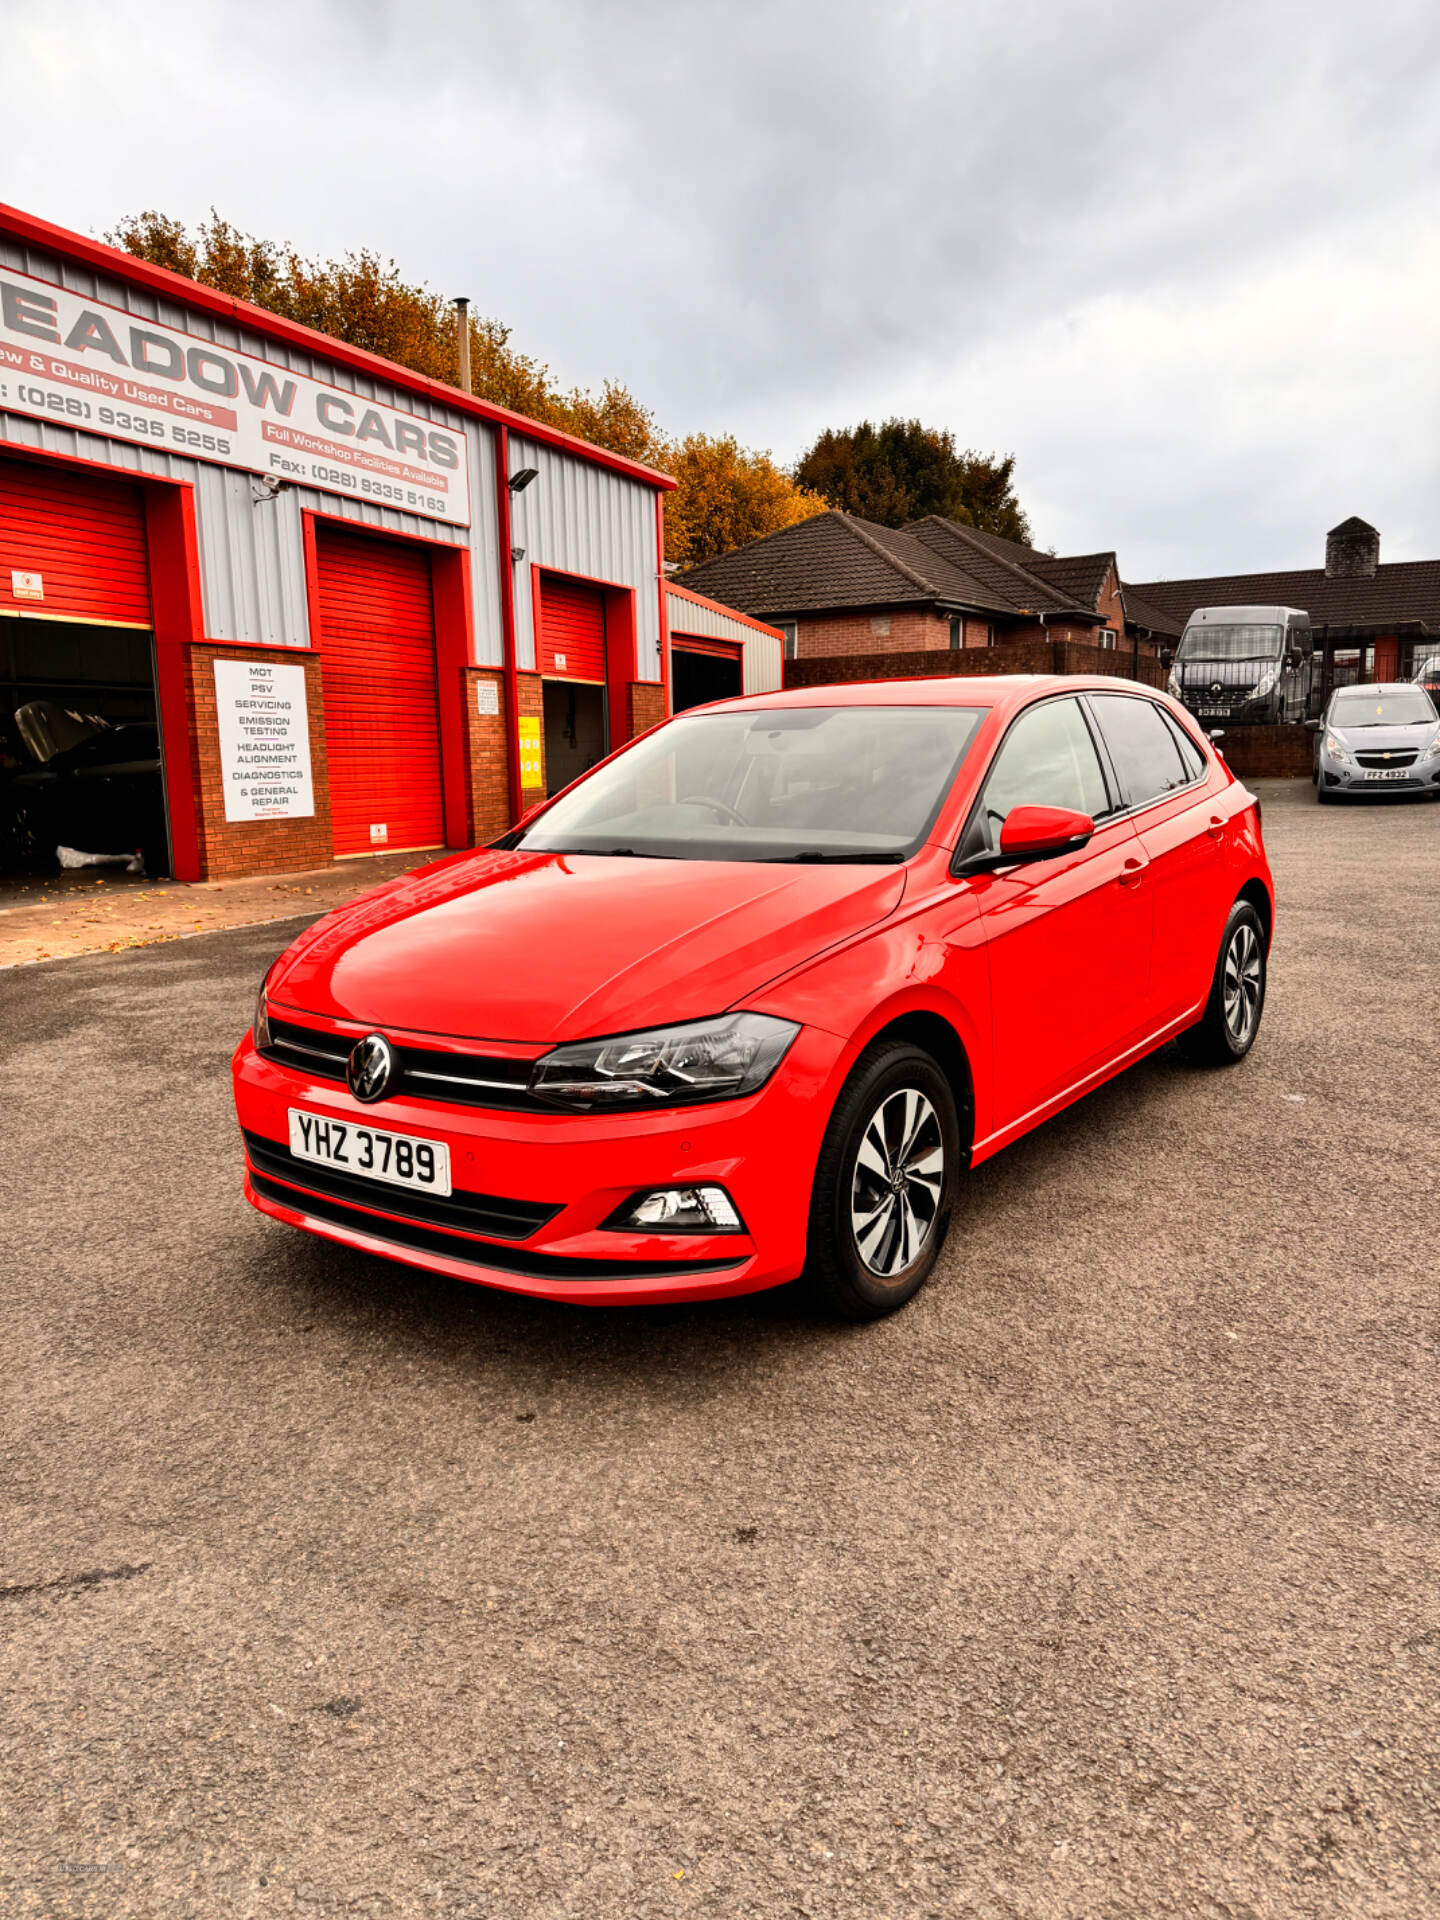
{"x": 1183, "y": 827}
{"x": 1068, "y": 939}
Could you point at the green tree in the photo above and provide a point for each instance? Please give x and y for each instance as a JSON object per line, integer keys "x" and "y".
{"x": 902, "y": 470}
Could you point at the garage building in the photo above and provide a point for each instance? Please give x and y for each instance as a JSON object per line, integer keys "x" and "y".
{"x": 337, "y": 606}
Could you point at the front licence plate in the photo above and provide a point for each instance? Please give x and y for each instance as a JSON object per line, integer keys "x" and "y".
{"x": 1390, "y": 773}
{"x": 399, "y": 1159}
{"x": 1213, "y": 713}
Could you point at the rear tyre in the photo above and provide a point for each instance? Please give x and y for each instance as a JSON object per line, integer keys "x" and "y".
{"x": 884, "y": 1185}
{"x": 1226, "y": 1031}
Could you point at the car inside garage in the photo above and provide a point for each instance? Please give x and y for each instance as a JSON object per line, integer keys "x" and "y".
{"x": 80, "y": 765}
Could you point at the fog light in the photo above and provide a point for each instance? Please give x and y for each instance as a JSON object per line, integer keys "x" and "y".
{"x": 677, "y": 1210}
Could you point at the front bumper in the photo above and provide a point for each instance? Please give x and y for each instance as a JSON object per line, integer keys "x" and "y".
{"x": 762, "y": 1150}
{"x": 1338, "y": 776}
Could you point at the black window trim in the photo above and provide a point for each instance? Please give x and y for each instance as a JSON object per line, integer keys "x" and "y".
{"x": 1140, "y": 806}
{"x": 1108, "y": 775}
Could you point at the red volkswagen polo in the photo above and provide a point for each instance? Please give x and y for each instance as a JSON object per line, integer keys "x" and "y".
{"x": 746, "y": 1000}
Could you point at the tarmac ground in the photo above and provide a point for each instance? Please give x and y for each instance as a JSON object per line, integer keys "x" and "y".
{"x": 1100, "y": 1583}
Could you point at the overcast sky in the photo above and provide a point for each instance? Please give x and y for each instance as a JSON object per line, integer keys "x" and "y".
{"x": 1185, "y": 264}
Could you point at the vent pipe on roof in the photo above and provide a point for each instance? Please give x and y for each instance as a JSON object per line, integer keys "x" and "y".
{"x": 1352, "y": 550}
{"x": 462, "y": 335}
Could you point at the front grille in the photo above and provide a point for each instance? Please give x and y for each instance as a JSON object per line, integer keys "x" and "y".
{"x": 467, "y": 1212}
{"x": 423, "y": 1073}
{"x": 501, "y": 1259}
{"x": 323, "y": 1054}
{"x": 1387, "y": 759}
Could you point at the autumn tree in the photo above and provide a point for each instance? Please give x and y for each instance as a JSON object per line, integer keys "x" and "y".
{"x": 727, "y": 494}
{"x": 902, "y": 470}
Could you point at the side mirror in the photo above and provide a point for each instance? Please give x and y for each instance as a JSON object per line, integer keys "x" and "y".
{"x": 1032, "y": 833}
{"x": 1313, "y": 726}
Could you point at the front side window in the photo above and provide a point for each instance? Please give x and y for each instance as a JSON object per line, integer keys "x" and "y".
{"x": 780, "y": 783}
{"x": 1047, "y": 759}
{"x": 1143, "y": 749}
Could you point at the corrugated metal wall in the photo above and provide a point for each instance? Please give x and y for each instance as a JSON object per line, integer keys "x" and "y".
{"x": 763, "y": 665}
{"x": 252, "y": 566}
{"x": 584, "y": 519}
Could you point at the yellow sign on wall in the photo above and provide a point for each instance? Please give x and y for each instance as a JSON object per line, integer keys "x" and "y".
{"x": 532, "y": 767}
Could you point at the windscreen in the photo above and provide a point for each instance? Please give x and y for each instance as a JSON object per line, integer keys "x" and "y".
{"x": 1368, "y": 707}
{"x": 1220, "y": 642}
{"x": 783, "y": 783}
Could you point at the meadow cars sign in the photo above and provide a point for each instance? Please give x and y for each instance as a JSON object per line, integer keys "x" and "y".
{"x": 104, "y": 371}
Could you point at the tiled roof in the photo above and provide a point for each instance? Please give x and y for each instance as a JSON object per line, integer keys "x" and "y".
{"x": 839, "y": 560}
{"x": 836, "y": 560}
{"x": 1401, "y": 593}
{"x": 1140, "y": 612}
{"x": 1014, "y": 584}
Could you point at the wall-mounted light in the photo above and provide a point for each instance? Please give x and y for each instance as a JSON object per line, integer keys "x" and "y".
{"x": 518, "y": 482}
{"x": 517, "y": 553}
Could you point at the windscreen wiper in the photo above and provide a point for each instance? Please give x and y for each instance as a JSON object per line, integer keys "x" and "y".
{"x": 817, "y": 856}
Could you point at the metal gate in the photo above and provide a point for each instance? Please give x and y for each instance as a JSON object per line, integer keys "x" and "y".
{"x": 382, "y": 720}
{"x": 72, "y": 546}
{"x": 572, "y": 630}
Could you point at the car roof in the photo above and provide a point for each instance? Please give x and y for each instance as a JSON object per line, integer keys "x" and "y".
{"x": 953, "y": 690}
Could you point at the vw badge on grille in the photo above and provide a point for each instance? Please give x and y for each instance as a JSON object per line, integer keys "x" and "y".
{"x": 369, "y": 1069}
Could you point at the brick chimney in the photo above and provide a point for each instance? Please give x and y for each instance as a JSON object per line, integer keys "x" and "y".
{"x": 1352, "y": 550}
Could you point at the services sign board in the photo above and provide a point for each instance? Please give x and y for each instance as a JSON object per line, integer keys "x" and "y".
{"x": 264, "y": 740}
{"x": 94, "y": 367}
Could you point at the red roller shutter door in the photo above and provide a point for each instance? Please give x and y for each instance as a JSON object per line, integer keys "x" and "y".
{"x": 382, "y": 722}
{"x": 572, "y": 630}
{"x": 84, "y": 535}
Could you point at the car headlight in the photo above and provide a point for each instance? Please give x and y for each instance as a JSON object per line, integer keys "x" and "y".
{"x": 1265, "y": 684}
{"x": 1431, "y": 748}
{"x": 260, "y": 1025}
{"x": 718, "y": 1059}
{"x": 1336, "y": 748}
{"x": 1172, "y": 685}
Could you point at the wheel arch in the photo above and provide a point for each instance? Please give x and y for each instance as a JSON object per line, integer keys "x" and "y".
{"x": 1258, "y": 894}
{"x": 933, "y": 1034}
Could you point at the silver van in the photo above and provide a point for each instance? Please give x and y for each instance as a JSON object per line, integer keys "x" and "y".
{"x": 1246, "y": 666}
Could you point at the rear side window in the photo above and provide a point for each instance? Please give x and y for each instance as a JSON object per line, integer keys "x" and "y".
{"x": 1142, "y": 746}
{"x": 1190, "y": 754}
{"x": 1047, "y": 759}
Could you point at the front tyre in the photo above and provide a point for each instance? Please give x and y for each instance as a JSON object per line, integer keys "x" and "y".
{"x": 884, "y": 1185}
{"x": 1226, "y": 1031}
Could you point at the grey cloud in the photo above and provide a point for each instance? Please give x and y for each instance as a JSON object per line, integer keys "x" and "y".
{"x": 776, "y": 217}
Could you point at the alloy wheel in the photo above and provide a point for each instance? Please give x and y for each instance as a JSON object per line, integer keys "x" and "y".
{"x": 898, "y": 1179}
{"x": 1241, "y": 983}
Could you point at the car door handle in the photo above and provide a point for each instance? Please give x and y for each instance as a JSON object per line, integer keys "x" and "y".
{"x": 1216, "y": 826}
{"x": 1130, "y": 873}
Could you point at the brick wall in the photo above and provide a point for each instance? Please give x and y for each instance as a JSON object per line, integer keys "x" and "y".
{"x": 905, "y": 631}
{"x": 229, "y": 848}
{"x": 647, "y": 706}
{"x": 1269, "y": 752}
{"x": 1028, "y": 655}
{"x": 488, "y": 759}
